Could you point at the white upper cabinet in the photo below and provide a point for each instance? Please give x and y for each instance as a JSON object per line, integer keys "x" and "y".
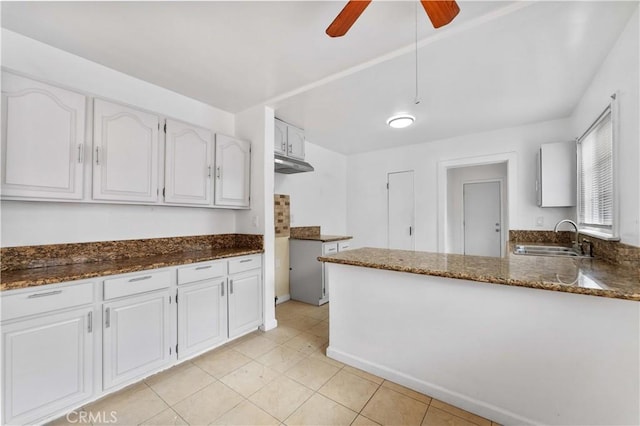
{"x": 232, "y": 172}
{"x": 43, "y": 130}
{"x": 556, "y": 175}
{"x": 125, "y": 153}
{"x": 288, "y": 140}
{"x": 295, "y": 142}
{"x": 188, "y": 166}
{"x": 280, "y": 137}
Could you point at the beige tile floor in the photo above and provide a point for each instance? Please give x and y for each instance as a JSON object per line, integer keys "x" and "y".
{"x": 281, "y": 377}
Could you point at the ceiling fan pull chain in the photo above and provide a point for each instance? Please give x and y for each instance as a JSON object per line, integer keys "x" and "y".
{"x": 417, "y": 98}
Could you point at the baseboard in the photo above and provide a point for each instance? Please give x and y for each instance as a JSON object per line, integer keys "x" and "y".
{"x": 467, "y": 403}
{"x": 284, "y": 298}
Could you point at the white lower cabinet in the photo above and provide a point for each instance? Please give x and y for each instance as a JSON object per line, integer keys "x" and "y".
{"x": 136, "y": 337}
{"x": 245, "y": 302}
{"x": 202, "y": 316}
{"x": 47, "y": 364}
{"x": 136, "y": 317}
{"x": 52, "y": 338}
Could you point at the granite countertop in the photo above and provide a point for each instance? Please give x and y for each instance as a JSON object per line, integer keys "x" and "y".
{"x": 588, "y": 276}
{"x": 22, "y": 278}
{"x": 323, "y": 238}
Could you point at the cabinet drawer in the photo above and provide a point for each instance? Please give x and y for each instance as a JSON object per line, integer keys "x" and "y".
{"x": 331, "y": 248}
{"x": 201, "y": 271}
{"x": 344, "y": 245}
{"x": 134, "y": 284}
{"x": 46, "y": 299}
{"x": 244, "y": 264}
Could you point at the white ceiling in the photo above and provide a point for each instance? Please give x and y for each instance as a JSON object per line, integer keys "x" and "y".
{"x": 499, "y": 64}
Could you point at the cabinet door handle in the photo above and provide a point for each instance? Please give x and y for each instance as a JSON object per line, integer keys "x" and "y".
{"x": 107, "y": 318}
{"x": 80, "y": 153}
{"x": 199, "y": 268}
{"x": 209, "y": 171}
{"x": 90, "y": 322}
{"x": 410, "y": 230}
{"x": 230, "y": 286}
{"x": 97, "y": 155}
{"x": 218, "y": 172}
{"x": 146, "y": 277}
{"x": 246, "y": 260}
{"x": 48, "y": 293}
{"x": 222, "y": 289}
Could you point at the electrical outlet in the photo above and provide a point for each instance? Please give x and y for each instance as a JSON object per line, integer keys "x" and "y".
{"x": 255, "y": 221}
{"x": 540, "y": 221}
{"x": 291, "y": 220}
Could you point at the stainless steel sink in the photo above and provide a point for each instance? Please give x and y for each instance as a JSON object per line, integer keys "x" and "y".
{"x": 555, "y": 251}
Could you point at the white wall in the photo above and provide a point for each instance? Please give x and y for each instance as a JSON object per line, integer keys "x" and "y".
{"x": 512, "y": 354}
{"x": 620, "y": 72}
{"x": 456, "y": 178}
{"x": 367, "y": 177}
{"x": 46, "y": 223}
{"x": 257, "y": 125}
{"x": 318, "y": 197}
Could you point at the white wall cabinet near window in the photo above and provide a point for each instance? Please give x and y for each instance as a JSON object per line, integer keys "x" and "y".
{"x": 125, "y": 153}
{"x": 136, "y": 327}
{"x": 289, "y": 140}
{"x": 43, "y": 131}
{"x": 232, "y": 172}
{"x": 245, "y": 295}
{"x": 202, "y": 307}
{"x": 556, "y": 175}
{"x": 188, "y": 164}
{"x": 307, "y": 282}
{"x": 47, "y": 359}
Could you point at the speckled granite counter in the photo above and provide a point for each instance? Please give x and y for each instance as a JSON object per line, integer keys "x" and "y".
{"x": 30, "y": 266}
{"x": 583, "y": 276}
{"x": 313, "y": 233}
{"x": 23, "y": 278}
{"x": 323, "y": 238}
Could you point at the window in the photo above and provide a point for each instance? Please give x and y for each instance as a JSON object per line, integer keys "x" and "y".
{"x": 596, "y": 186}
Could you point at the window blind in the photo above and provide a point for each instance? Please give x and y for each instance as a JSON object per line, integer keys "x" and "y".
{"x": 595, "y": 175}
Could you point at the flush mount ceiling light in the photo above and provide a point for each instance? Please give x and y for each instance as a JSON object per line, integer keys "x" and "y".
{"x": 401, "y": 121}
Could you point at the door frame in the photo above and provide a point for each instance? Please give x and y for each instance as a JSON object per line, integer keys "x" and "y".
{"x": 413, "y": 208}
{"x": 502, "y": 215}
{"x": 511, "y": 158}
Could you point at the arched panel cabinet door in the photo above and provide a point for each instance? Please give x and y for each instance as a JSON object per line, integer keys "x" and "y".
{"x": 125, "y": 153}
{"x": 188, "y": 166}
{"x": 232, "y": 172}
{"x": 43, "y": 130}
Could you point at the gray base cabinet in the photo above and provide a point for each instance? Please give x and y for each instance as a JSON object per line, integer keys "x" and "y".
{"x": 307, "y": 282}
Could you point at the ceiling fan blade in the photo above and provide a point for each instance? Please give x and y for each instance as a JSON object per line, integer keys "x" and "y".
{"x": 346, "y": 18}
{"x": 440, "y": 12}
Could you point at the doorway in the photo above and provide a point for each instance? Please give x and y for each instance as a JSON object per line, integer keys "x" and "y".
{"x": 452, "y": 174}
{"x": 401, "y": 210}
{"x": 482, "y": 218}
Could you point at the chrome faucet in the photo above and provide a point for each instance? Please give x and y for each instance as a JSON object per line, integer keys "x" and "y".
{"x": 576, "y": 244}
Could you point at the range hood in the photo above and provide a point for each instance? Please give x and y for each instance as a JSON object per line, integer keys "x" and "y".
{"x": 289, "y": 166}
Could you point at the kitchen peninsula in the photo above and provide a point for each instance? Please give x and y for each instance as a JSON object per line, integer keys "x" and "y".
{"x": 501, "y": 337}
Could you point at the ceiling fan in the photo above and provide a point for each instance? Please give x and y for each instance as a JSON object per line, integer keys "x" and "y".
{"x": 440, "y": 12}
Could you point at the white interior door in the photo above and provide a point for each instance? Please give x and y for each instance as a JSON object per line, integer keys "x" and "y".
{"x": 482, "y": 219}
{"x": 401, "y": 210}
